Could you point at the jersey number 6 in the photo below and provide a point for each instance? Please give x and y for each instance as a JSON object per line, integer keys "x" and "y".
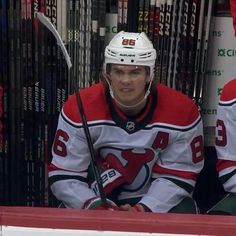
{"x": 59, "y": 146}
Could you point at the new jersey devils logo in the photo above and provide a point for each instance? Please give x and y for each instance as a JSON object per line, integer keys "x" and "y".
{"x": 134, "y": 167}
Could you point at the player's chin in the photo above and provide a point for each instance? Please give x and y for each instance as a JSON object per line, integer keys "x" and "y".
{"x": 128, "y": 102}
{"x": 125, "y": 97}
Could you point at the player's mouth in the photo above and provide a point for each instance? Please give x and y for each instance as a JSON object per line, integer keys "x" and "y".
{"x": 126, "y": 90}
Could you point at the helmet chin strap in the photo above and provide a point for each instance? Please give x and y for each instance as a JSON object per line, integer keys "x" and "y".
{"x": 128, "y": 106}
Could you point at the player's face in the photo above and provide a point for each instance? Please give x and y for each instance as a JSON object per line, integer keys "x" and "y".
{"x": 128, "y": 83}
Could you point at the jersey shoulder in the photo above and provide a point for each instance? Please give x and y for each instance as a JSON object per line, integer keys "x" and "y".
{"x": 229, "y": 91}
{"x": 175, "y": 108}
{"x": 233, "y": 13}
{"x": 93, "y": 101}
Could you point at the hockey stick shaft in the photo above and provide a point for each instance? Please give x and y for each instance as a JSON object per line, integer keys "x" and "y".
{"x": 94, "y": 165}
{"x": 198, "y": 50}
{"x": 205, "y": 49}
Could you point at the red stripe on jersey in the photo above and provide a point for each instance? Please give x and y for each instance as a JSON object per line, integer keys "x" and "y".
{"x": 223, "y": 164}
{"x": 178, "y": 173}
{"x": 174, "y": 108}
{"x": 94, "y": 104}
{"x": 229, "y": 91}
{"x": 71, "y": 109}
{"x": 233, "y": 13}
{"x": 51, "y": 167}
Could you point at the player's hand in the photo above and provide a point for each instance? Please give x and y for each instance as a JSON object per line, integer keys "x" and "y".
{"x": 135, "y": 208}
{"x": 96, "y": 204}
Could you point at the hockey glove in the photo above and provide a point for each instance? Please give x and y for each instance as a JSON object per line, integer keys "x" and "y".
{"x": 96, "y": 204}
{"x": 136, "y": 208}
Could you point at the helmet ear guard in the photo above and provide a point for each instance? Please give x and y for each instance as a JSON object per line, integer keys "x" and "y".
{"x": 130, "y": 49}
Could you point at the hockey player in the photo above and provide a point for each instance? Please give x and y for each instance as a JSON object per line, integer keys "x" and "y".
{"x": 148, "y": 138}
{"x": 225, "y": 142}
{"x": 226, "y": 149}
{"x": 233, "y": 13}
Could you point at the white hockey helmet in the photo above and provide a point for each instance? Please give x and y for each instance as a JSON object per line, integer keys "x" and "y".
{"x": 131, "y": 49}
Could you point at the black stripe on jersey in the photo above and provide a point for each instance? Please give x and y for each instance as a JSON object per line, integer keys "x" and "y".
{"x": 187, "y": 187}
{"x": 90, "y": 125}
{"x": 55, "y": 178}
{"x": 174, "y": 128}
{"x": 227, "y": 104}
{"x": 70, "y": 123}
{"x": 226, "y": 177}
{"x": 144, "y": 128}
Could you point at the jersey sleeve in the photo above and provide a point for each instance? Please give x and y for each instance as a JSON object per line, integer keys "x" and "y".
{"x": 68, "y": 169}
{"x": 233, "y": 13}
{"x": 225, "y": 143}
{"x": 176, "y": 170}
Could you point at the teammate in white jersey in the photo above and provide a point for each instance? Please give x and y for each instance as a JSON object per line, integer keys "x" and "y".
{"x": 226, "y": 149}
{"x": 225, "y": 141}
{"x": 148, "y": 138}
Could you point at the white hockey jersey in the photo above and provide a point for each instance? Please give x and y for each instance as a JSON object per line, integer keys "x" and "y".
{"x": 153, "y": 158}
{"x": 226, "y": 137}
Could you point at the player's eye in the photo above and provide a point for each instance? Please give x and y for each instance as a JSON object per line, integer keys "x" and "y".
{"x": 135, "y": 73}
{"x": 117, "y": 72}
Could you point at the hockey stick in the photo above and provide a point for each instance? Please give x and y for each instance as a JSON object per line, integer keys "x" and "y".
{"x": 120, "y": 15}
{"x": 94, "y": 165}
{"x": 166, "y": 40}
{"x": 151, "y": 20}
{"x": 198, "y": 53}
{"x": 205, "y": 51}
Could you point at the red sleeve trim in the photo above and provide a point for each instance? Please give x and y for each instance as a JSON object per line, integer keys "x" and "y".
{"x": 178, "y": 173}
{"x": 51, "y": 167}
{"x": 223, "y": 164}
